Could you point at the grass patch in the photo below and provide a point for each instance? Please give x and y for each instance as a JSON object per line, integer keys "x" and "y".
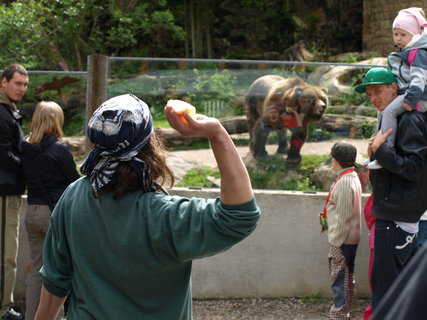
{"x": 200, "y": 144}
{"x": 313, "y": 299}
{"x": 275, "y": 174}
{"x": 272, "y": 173}
{"x": 199, "y": 177}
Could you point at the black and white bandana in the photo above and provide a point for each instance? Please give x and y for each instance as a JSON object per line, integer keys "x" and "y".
{"x": 119, "y": 129}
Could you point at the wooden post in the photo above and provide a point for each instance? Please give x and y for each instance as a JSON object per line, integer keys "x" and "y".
{"x": 145, "y": 66}
{"x": 96, "y": 91}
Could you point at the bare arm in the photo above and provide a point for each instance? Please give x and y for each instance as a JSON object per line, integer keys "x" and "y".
{"x": 235, "y": 183}
{"x": 49, "y": 306}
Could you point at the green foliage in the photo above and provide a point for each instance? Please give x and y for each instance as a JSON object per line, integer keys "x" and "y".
{"x": 368, "y": 129}
{"x": 33, "y": 30}
{"x": 200, "y": 144}
{"x": 198, "y": 177}
{"x": 75, "y": 126}
{"x": 350, "y": 58}
{"x": 59, "y": 34}
{"x": 218, "y": 85}
{"x": 272, "y": 172}
{"x": 316, "y": 133}
{"x": 354, "y": 98}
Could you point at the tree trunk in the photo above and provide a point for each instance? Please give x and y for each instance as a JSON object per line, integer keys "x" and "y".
{"x": 54, "y": 56}
{"x": 208, "y": 34}
{"x": 193, "y": 30}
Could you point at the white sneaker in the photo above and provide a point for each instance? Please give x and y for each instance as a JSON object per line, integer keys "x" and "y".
{"x": 374, "y": 165}
{"x": 366, "y": 162}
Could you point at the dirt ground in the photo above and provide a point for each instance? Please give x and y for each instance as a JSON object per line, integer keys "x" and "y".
{"x": 270, "y": 309}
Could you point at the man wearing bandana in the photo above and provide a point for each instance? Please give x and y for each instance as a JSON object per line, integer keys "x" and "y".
{"x": 118, "y": 242}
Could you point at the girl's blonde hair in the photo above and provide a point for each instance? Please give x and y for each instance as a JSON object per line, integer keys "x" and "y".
{"x": 48, "y": 117}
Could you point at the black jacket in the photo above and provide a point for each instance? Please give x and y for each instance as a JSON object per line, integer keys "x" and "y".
{"x": 52, "y": 163}
{"x": 12, "y": 181}
{"x": 400, "y": 187}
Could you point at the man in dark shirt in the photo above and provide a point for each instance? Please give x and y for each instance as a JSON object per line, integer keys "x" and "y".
{"x": 14, "y": 82}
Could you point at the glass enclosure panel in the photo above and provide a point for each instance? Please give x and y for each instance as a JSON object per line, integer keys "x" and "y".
{"x": 68, "y": 89}
{"x": 218, "y": 87}
{"x": 272, "y": 139}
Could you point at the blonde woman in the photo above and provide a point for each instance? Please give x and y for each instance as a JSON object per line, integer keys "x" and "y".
{"x": 49, "y": 168}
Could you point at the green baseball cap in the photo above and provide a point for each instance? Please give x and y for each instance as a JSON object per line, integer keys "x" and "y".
{"x": 375, "y": 76}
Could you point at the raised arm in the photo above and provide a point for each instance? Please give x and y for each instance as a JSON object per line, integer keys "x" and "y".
{"x": 235, "y": 183}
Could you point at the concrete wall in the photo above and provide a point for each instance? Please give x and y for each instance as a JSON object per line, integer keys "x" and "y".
{"x": 284, "y": 257}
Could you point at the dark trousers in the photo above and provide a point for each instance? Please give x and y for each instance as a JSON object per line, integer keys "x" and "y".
{"x": 393, "y": 249}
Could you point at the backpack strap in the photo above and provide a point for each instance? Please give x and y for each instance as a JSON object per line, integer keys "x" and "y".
{"x": 411, "y": 55}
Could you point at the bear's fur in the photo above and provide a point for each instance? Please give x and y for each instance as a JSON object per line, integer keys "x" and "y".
{"x": 275, "y": 92}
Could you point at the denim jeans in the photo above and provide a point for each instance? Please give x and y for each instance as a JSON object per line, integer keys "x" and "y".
{"x": 422, "y": 233}
{"x": 393, "y": 249}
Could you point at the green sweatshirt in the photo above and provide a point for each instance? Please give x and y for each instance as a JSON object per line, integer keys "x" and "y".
{"x": 131, "y": 258}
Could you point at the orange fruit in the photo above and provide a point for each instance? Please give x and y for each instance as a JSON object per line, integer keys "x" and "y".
{"x": 181, "y": 107}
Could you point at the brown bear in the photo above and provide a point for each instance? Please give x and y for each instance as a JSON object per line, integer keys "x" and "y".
{"x": 298, "y": 105}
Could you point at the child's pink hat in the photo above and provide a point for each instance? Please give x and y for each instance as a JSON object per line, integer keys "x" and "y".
{"x": 410, "y": 20}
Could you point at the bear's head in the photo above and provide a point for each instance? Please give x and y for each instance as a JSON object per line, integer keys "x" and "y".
{"x": 307, "y": 99}
{"x": 295, "y": 93}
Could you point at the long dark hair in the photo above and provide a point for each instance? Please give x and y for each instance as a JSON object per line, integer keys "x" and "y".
{"x": 126, "y": 180}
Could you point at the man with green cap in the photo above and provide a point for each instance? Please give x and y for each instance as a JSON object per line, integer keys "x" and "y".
{"x": 399, "y": 187}
{"x": 395, "y": 107}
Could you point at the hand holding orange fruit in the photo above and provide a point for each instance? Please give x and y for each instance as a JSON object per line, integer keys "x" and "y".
{"x": 181, "y": 107}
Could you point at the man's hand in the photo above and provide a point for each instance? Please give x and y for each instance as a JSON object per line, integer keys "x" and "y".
{"x": 370, "y": 152}
{"x": 407, "y": 107}
{"x": 379, "y": 139}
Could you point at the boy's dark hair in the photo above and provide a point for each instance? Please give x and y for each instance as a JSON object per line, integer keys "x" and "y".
{"x": 9, "y": 71}
{"x": 345, "y": 153}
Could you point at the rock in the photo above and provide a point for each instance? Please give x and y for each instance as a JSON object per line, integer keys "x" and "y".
{"x": 75, "y": 144}
{"x": 351, "y": 126}
{"x": 323, "y": 177}
{"x": 361, "y": 110}
{"x": 340, "y": 79}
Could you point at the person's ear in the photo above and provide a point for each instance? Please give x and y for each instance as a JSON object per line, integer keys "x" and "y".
{"x": 394, "y": 86}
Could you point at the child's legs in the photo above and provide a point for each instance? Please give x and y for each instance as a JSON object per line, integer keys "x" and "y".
{"x": 423, "y": 105}
{"x": 389, "y": 115}
{"x": 339, "y": 275}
